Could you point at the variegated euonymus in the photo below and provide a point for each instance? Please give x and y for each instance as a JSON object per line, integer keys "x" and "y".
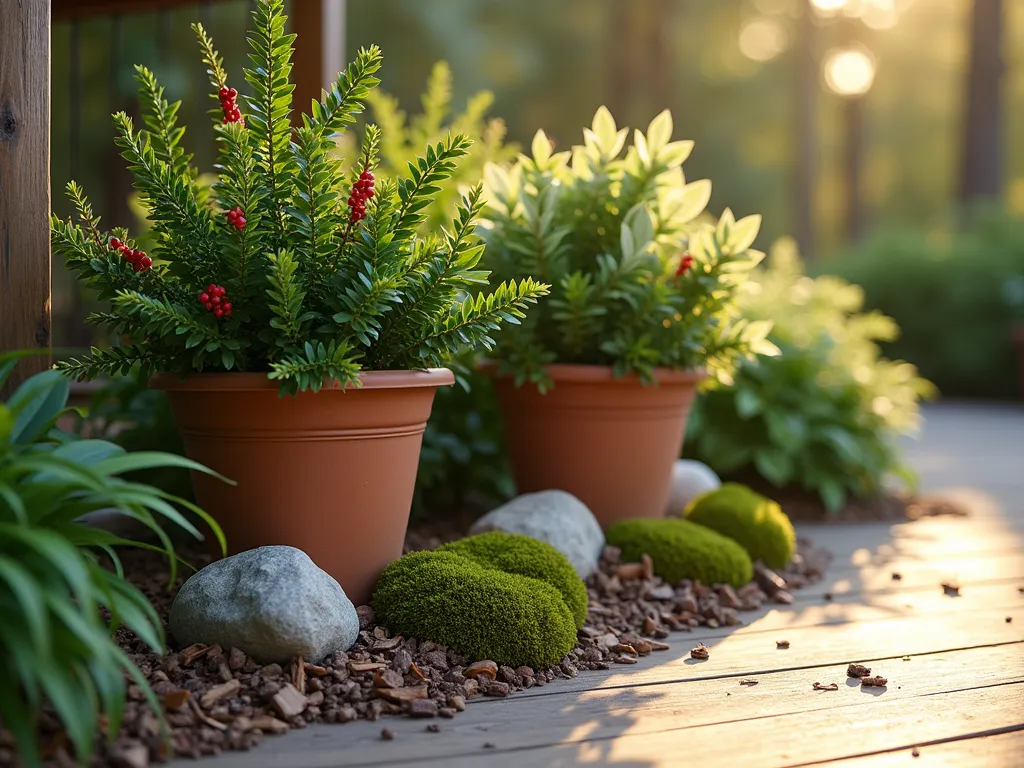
{"x": 640, "y": 280}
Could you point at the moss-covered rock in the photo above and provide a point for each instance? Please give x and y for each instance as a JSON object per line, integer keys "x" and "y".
{"x": 682, "y": 550}
{"x": 525, "y": 556}
{"x": 482, "y": 612}
{"x": 756, "y": 522}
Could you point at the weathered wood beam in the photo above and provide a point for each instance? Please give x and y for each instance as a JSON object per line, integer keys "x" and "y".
{"x": 25, "y": 181}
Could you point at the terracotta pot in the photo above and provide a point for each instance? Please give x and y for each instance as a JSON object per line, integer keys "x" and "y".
{"x": 611, "y": 442}
{"x": 331, "y": 473}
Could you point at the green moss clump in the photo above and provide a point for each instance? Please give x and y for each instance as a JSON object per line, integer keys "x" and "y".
{"x": 515, "y": 553}
{"x": 682, "y": 550}
{"x": 756, "y": 522}
{"x": 482, "y": 612}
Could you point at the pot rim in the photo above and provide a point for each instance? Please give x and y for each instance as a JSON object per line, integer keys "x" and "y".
{"x": 256, "y": 381}
{"x": 581, "y": 373}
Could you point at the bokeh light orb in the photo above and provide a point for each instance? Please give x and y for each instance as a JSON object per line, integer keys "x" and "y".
{"x": 829, "y": 6}
{"x": 762, "y": 39}
{"x": 849, "y": 71}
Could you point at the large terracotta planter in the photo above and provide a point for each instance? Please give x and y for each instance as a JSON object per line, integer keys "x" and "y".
{"x": 611, "y": 442}
{"x": 331, "y": 473}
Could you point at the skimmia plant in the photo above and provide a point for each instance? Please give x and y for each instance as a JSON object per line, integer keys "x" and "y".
{"x": 288, "y": 264}
{"x": 638, "y": 283}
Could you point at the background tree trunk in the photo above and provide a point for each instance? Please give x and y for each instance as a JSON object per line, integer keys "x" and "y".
{"x": 805, "y": 104}
{"x": 981, "y": 173}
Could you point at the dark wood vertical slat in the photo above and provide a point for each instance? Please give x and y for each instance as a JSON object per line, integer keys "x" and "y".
{"x": 307, "y": 21}
{"x": 25, "y": 180}
{"x": 75, "y": 98}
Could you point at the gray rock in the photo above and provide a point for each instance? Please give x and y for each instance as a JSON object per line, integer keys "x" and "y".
{"x": 558, "y": 518}
{"x": 689, "y": 480}
{"x": 271, "y": 602}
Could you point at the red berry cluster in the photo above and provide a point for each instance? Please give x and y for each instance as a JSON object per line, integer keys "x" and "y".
{"x": 236, "y": 218}
{"x": 362, "y": 191}
{"x": 229, "y": 104}
{"x": 685, "y": 264}
{"x": 214, "y": 300}
{"x": 138, "y": 259}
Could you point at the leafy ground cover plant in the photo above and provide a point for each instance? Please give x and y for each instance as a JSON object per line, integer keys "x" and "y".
{"x": 822, "y": 416}
{"x": 287, "y": 265}
{"x": 638, "y": 282}
{"x": 59, "y": 606}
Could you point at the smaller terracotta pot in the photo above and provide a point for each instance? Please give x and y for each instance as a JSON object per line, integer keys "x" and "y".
{"x": 611, "y": 442}
{"x": 330, "y": 473}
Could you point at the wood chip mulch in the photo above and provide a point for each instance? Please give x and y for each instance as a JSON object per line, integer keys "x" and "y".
{"x": 218, "y": 699}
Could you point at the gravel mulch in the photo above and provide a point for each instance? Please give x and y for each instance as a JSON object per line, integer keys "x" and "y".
{"x": 218, "y": 699}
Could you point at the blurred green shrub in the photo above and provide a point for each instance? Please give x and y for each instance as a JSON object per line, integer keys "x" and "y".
{"x": 955, "y": 295}
{"x": 823, "y": 415}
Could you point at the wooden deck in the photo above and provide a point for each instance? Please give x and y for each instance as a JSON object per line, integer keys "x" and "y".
{"x": 955, "y": 665}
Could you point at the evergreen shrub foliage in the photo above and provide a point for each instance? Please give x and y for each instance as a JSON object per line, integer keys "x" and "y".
{"x": 320, "y": 289}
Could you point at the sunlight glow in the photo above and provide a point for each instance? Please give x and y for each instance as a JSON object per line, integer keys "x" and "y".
{"x": 829, "y": 6}
{"x": 849, "y": 71}
{"x": 762, "y": 39}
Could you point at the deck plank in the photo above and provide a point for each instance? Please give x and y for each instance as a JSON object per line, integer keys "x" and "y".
{"x": 749, "y": 653}
{"x": 782, "y": 722}
{"x": 1003, "y": 750}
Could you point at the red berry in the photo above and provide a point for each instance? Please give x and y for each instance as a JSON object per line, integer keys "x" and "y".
{"x": 115, "y": 243}
{"x": 218, "y": 312}
{"x": 366, "y": 175}
{"x": 225, "y": 92}
{"x": 219, "y": 290}
{"x": 226, "y": 306}
{"x": 369, "y": 192}
{"x": 204, "y": 297}
{"x": 209, "y": 306}
{"x": 146, "y": 262}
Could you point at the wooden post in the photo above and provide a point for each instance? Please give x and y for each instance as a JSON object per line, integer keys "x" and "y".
{"x": 319, "y": 49}
{"x": 24, "y": 181}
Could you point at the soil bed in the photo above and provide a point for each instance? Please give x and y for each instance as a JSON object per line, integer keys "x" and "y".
{"x": 218, "y": 699}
